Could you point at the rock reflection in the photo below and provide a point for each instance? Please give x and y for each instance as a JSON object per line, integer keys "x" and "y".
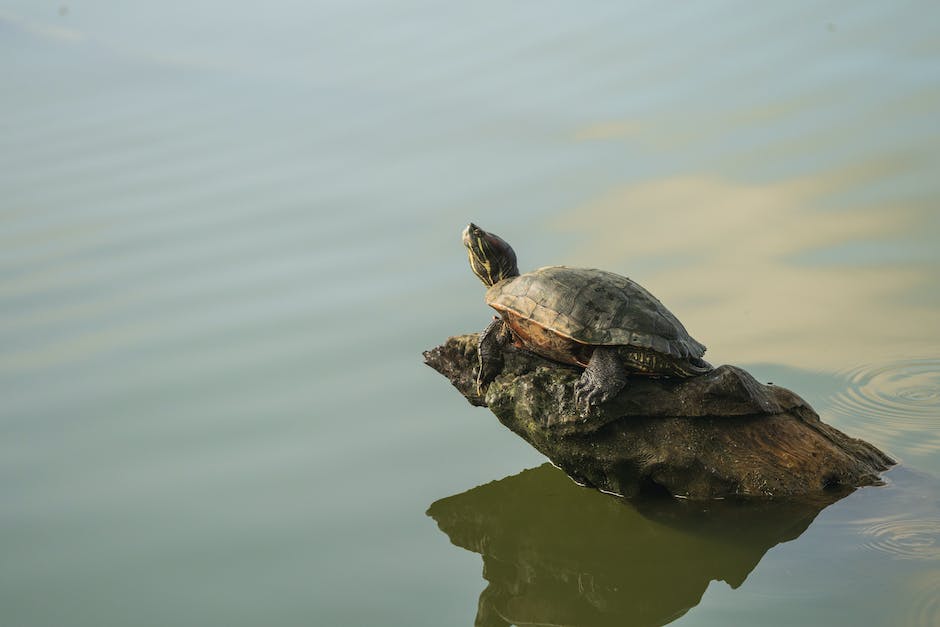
{"x": 557, "y": 554}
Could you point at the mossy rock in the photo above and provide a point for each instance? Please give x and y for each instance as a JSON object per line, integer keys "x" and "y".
{"x": 718, "y": 435}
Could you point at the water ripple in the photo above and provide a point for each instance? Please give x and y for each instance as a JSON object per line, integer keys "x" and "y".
{"x": 923, "y": 602}
{"x": 905, "y": 538}
{"x": 899, "y": 400}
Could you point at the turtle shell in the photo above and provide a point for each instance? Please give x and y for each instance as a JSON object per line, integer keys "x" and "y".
{"x": 591, "y": 307}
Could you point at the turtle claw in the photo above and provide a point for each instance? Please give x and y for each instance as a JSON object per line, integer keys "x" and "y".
{"x": 486, "y": 373}
{"x": 586, "y": 394}
{"x": 481, "y": 386}
{"x": 490, "y": 353}
{"x": 589, "y": 393}
{"x": 603, "y": 378}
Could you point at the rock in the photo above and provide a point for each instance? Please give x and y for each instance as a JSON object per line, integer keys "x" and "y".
{"x": 718, "y": 435}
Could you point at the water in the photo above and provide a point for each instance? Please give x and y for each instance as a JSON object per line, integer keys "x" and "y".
{"x": 228, "y": 233}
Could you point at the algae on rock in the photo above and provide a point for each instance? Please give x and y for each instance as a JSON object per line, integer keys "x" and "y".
{"x": 721, "y": 434}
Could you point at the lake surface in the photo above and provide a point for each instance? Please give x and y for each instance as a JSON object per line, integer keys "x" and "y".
{"x": 228, "y": 232}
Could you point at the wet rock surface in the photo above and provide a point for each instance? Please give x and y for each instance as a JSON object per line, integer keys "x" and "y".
{"x": 722, "y": 434}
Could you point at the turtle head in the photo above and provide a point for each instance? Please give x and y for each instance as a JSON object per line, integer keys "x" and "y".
{"x": 491, "y": 258}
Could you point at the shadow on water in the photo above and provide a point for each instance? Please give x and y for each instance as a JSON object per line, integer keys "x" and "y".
{"x": 557, "y": 554}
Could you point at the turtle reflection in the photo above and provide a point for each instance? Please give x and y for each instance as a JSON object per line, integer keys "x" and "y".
{"x": 557, "y": 554}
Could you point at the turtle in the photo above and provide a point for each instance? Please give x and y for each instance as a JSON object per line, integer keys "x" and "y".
{"x": 600, "y": 321}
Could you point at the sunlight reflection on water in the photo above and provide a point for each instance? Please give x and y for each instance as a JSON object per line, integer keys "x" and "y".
{"x": 734, "y": 275}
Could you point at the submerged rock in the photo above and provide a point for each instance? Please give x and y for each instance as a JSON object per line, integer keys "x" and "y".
{"x": 721, "y": 434}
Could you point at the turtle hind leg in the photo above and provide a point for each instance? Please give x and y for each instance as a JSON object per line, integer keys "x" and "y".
{"x": 490, "y": 350}
{"x": 603, "y": 378}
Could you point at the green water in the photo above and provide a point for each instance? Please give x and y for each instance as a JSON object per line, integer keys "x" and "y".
{"x": 228, "y": 232}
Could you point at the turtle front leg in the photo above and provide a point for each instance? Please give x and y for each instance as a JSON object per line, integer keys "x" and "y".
{"x": 603, "y": 378}
{"x": 490, "y": 349}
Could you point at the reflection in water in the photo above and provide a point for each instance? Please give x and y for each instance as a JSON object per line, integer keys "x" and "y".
{"x": 772, "y": 271}
{"x": 896, "y": 400}
{"x": 557, "y": 554}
